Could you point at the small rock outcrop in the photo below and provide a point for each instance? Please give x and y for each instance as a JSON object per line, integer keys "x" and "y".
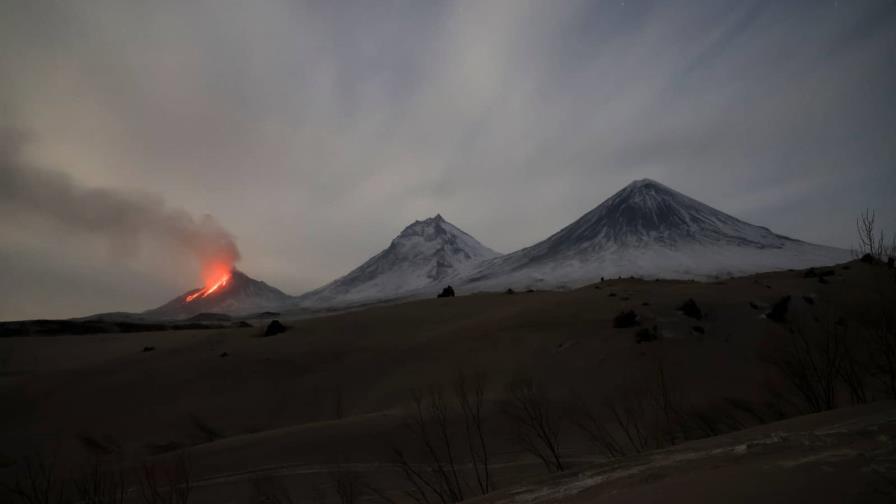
{"x": 779, "y": 310}
{"x": 446, "y": 292}
{"x": 690, "y": 309}
{"x": 275, "y": 327}
{"x": 625, "y": 318}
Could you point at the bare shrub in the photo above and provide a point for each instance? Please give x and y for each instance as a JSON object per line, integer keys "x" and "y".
{"x": 269, "y": 490}
{"x": 439, "y": 477}
{"x": 871, "y": 241}
{"x": 595, "y": 427}
{"x": 102, "y": 483}
{"x": 166, "y": 484}
{"x": 37, "y": 482}
{"x": 644, "y": 417}
{"x": 537, "y": 420}
{"x": 630, "y": 416}
{"x": 348, "y": 484}
{"x": 710, "y": 420}
{"x": 812, "y": 365}
{"x": 470, "y": 398}
{"x": 853, "y": 371}
{"x": 883, "y": 358}
{"x": 446, "y": 434}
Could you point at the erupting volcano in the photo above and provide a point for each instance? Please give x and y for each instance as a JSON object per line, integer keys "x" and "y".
{"x": 220, "y": 282}
{"x": 227, "y": 290}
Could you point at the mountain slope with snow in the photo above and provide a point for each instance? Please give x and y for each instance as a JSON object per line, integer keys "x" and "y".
{"x": 647, "y": 229}
{"x": 240, "y": 295}
{"x": 425, "y": 254}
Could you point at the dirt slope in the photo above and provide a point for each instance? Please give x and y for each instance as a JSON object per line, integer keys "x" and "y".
{"x": 335, "y": 389}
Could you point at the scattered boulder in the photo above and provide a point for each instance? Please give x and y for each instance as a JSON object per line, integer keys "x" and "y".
{"x": 625, "y": 318}
{"x": 242, "y": 323}
{"x": 778, "y": 312}
{"x": 612, "y": 294}
{"x": 690, "y": 309}
{"x": 867, "y": 259}
{"x": 148, "y": 348}
{"x": 509, "y": 292}
{"x": 275, "y": 327}
{"x": 646, "y": 335}
{"x": 810, "y": 273}
{"x": 224, "y": 354}
{"x": 529, "y": 290}
{"x": 446, "y": 292}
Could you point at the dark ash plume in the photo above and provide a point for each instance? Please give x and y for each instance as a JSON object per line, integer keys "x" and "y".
{"x": 122, "y": 217}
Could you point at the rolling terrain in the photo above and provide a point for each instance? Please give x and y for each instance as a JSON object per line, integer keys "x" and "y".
{"x": 333, "y": 393}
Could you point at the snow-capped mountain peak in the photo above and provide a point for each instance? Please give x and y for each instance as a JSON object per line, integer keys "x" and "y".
{"x": 647, "y": 212}
{"x": 648, "y": 229}
{"x": 425, "y": 253}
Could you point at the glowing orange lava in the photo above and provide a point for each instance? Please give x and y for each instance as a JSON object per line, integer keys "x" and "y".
{"x": 210, "y": 287}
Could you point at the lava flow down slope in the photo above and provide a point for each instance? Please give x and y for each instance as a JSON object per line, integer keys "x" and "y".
{"x": 229, "y": 291}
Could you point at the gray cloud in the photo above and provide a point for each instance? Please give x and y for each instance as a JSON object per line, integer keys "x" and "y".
{"x": 315, "y": 131}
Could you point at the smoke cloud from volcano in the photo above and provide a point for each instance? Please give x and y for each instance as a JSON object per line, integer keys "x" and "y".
{"x": 122, "y": 217}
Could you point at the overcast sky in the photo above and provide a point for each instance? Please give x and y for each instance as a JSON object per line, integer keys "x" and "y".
{"x": 313, "y": 132}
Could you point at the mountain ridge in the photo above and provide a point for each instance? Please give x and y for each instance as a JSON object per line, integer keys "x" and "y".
{"x": 645, "y": 229}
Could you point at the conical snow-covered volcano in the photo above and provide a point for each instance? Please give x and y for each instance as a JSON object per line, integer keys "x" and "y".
{"x": 647, "y": 229}
{"x": 425, "y": 254}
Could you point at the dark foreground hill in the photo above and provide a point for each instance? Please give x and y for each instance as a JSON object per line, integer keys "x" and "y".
{"x": 327, "y": 404}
